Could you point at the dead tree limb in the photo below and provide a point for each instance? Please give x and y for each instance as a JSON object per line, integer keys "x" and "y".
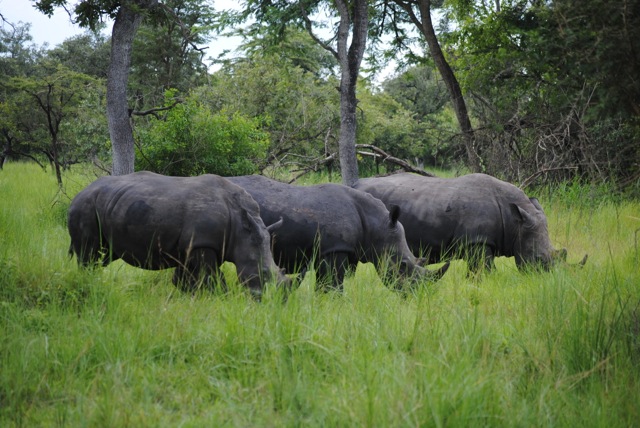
{"x": 383, "y": 156}
{"x": 376, "y": 152}
{"x": 538, "y": 173}
{"x": 313, "y": 167}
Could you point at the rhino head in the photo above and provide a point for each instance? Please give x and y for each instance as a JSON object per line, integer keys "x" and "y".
{"x": 401, "y": 255}
{"x": 256, "y": 267}
{"x": 532, "y": 246}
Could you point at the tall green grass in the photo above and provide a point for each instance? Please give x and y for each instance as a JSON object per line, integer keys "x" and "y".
{"x": 120, "y": 346}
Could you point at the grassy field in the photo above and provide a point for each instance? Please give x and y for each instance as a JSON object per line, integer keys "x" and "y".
{"x": 122, "y": 347}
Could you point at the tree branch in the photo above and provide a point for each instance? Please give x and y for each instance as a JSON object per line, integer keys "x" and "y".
{"x": 530, "y": 179}
{"x": 154, "y": 111}
{"x": 309, "y": 26}
{"x": 380, "y": 154}
{"x": 314, "y": 167}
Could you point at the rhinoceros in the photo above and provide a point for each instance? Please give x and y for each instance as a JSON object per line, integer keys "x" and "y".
{"x": 476, "y": 217}
{"x": 335, "y": 225}
{"x": 156, "y": 222}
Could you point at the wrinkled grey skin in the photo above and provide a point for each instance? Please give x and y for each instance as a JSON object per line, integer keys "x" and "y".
{"x": 476, "y": 217}
{"x": 157, "y": 222}
{"x": 337, "y": 224}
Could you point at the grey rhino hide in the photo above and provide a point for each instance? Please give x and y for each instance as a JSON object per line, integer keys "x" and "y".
{"x": 155, "y": 222}
{"x": 337, "y": 224}
{"x": 476, "y": 217}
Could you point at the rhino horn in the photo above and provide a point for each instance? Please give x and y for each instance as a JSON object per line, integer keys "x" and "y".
{"x": 559, "y": 255}
{"x": 275, "y": 226}
{"x": 439, "y": 273}
{"x": 583, "y": 261}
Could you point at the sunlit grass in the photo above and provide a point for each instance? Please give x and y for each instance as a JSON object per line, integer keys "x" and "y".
{"x": 121, "y": 346}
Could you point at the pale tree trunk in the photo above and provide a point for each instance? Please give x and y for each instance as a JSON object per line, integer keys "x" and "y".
{"x": 125, "y": 27}
{"x": 425, "y": 25}
{"x": 350, "y": 59}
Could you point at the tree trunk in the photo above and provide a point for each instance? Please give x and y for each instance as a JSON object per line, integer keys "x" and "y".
{"x": 348, "y": 128}
{"x": 6, "y": 149}
{"x": 55, "y": 159}
{"x": 125, "y": 27}
{"x": 350, "y": 60}
{"x": 425, "y": 25}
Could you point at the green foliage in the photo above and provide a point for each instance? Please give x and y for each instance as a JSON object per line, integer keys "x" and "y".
{"x": 51, "y": 110}
{"x": 17, "y": 53}
{"x": 119, "y": 346}
{"x": 87, "y": 136}
{"x": 543, "y": 81}
{"x": 88, "y": 54}
{"x": 88, "y": 13}
{"x": 194, "y": 140}
{"x": 296, "y": 49}
{"x": 290, "y": 85}
{"x": 419, "y": 90}
{"x": 551, "y": 87}
{"x": 388, "y": 125}
{"x": 426, "y": 101}
{"x": 53, "y": 94}
{"x": 167, "y": 51}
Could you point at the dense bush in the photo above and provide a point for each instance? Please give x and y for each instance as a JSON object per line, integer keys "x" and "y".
{"x": 551, "y": 98}
{"x": 193, "y": 140}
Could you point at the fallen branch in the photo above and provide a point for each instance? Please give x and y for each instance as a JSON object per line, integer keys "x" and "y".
{"x": 313, "y": 167}
{"x": 376, "y": 152}
{"x": 538, "y": 173}
{"x": 383, "y": 156}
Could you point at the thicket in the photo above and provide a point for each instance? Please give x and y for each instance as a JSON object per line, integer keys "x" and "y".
{"x": 193, "y": 140}
{"x": 552, "y": 88}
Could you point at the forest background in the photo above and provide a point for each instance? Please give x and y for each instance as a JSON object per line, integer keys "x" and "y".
{"x": 551, "y": 90}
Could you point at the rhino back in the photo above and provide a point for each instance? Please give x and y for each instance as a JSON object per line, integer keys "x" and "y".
{"x": 152, "y": 219}
{"x": 439, "y": 212}
{"x": 327, "y": 211}
{"x": 304, "y": 209}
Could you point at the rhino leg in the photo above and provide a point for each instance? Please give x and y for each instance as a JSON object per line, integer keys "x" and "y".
{"x": 87, "y": 252}
{"x": 332, "y": 268}
{"x": 90, "y": 251}
{"x": 479, "y": 256}
{"x": 201, "y": 268}
{"x": 86, "y": 241}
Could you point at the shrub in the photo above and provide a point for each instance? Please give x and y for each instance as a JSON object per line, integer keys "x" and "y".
{"x": 193, "y": 140}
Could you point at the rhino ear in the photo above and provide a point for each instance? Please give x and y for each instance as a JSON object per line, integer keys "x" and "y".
{"x": 394, "y": 213}
{"x": 536, "y": 203}
{"x": 248, "y": 222}
{"x": 521, "y": 214}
